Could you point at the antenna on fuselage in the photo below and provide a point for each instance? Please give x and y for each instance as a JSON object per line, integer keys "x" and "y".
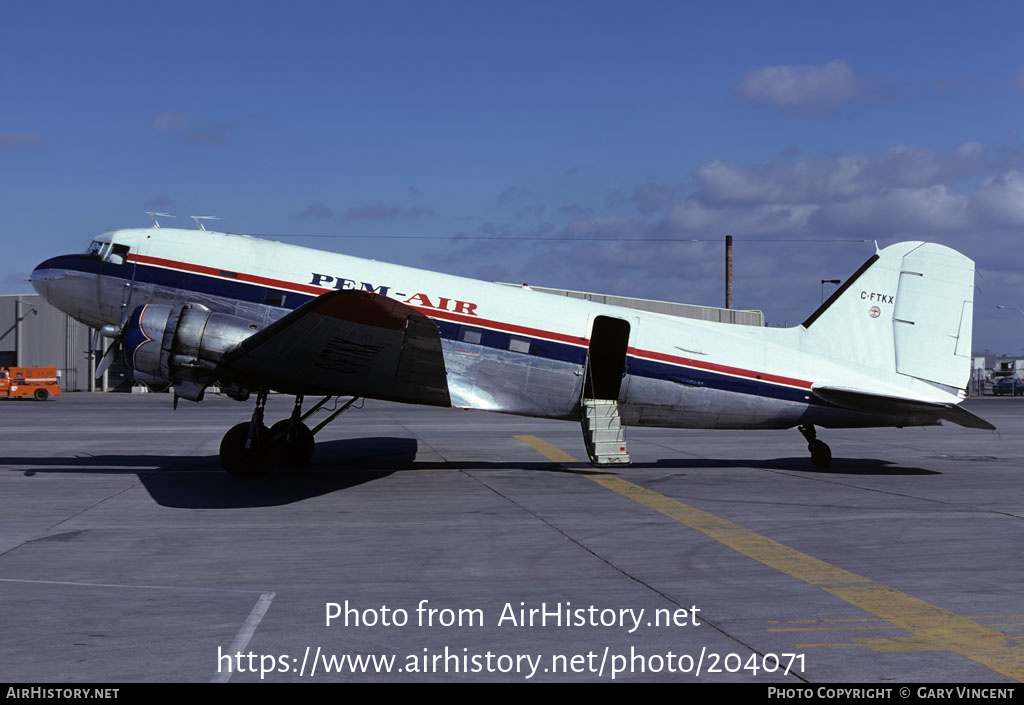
{"x": 153, "y": 216}
{"x": 199, "y": 218}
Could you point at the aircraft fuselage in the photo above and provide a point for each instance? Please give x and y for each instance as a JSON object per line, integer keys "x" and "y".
{"x": 506, "y": 349}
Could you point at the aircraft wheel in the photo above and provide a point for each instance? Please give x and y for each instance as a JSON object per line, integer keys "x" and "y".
{"x": 296, "y": 450}
{"x": 41, "y": 395}
{"x": 821, "y": 454}
{"x": 241, "y": 462}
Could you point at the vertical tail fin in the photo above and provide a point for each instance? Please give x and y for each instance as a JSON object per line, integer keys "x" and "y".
{"x": 907, "y": 311}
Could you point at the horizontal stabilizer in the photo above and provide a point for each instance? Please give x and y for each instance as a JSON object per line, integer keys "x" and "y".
{"x": 347, "y": 343}
{"x": 870, "y": 403}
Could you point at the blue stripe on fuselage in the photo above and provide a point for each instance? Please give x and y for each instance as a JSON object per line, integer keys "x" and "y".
{"x": 89, "y": 265}
{"x": 698, "y": 378}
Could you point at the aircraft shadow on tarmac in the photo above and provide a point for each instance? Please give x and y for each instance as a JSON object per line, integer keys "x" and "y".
{"x": 198, "y": 482}
{"x": 801, "y": 464}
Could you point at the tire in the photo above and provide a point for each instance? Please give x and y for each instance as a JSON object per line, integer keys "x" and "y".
{"x": 297, "y": 450}
{"x": 821, "y": 454}
{"x": 41, "y": 395}
{"x": 241, "y": 462}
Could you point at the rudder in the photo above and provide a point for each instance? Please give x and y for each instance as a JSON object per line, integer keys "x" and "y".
{"x": 932, "y": 321}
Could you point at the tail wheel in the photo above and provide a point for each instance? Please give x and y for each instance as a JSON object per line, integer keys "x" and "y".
{"x": 41, "y": 395}
{"x": 821, "y": 454}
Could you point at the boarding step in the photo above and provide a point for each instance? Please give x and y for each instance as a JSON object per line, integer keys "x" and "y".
{"x": 601, "y": 408}
{"x": 612, "y": 435}
{"x": 604, "y": 423}
{"x": 603, "y": 433}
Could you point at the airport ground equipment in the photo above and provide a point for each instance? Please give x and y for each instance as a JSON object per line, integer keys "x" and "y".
{"x": 39, "y": 383}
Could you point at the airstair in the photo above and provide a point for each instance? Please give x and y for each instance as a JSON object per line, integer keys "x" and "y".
{"x": 603, "y": 375}
{"x": 603, "y": 433}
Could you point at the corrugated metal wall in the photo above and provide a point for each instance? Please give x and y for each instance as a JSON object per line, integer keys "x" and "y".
{"x": 49, "y": 338}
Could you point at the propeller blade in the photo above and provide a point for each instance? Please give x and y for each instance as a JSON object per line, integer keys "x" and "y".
{"x": 116, "y": 336}
{"x": 108, "y": 357}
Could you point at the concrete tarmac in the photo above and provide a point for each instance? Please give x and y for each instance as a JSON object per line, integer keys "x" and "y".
{"x": 456, "y": 545}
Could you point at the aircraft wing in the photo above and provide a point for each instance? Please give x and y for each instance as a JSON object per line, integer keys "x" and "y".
{"x": 859, "y": 400}
{"x": 347, "y": 342}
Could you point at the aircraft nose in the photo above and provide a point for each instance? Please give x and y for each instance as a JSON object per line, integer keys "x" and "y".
{"x": 68, "y": 282}
{"x": 41, "y": 276}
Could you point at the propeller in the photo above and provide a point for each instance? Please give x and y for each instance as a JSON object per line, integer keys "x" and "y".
{"x": 117, "y": 334}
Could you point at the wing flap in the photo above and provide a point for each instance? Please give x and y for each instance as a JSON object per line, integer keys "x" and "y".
{"x": 347, "y": 342}
{"x": 859, "y": 400}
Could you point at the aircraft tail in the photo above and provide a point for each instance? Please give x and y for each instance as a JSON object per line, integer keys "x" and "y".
{"x": 906, "y": 313}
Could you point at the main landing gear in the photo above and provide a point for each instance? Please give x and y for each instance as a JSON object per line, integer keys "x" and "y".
{"x": 251, "y": 450}
{"x": 821, "y": 454}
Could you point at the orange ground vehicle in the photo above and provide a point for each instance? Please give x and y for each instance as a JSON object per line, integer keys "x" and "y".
{"x": 39, "y": 383}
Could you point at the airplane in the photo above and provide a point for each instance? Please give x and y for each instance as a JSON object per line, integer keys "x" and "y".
{"x": 196, "y": 308}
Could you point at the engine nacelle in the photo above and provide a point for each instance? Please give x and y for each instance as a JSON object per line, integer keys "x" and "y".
{"x": 181, "y": 345}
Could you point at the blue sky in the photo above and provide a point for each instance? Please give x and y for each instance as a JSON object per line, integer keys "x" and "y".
{"x": 597, "y": 121}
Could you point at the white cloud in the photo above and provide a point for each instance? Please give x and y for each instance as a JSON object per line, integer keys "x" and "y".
{"x": 782, "y": 182}
{"x": 913, "y": 166}
{"x": 801, "y": 88}
{"x": 999, "y": 200}
{"x": 839, "y": 178}
{"x": 695, "y": 219}
{"x": 898, "y": 212}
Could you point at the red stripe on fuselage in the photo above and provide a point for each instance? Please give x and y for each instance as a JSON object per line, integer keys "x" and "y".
{"x": 217, "y": 272}
{"x": 724, "y": 369}
{"x": 317, "y": 290}
{"x": 481, "y": 322}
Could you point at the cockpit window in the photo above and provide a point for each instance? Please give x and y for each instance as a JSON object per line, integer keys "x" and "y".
{"x": 118, "y": 254}
{"x": 108, "y": 252}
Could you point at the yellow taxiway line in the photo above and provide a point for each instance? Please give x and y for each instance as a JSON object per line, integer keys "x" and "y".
{"x": 934, "y": 628}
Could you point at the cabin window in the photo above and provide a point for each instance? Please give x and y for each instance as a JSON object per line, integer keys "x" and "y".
{"x": 471, "y": 335}
{"x": 274, "y": 298}
{"x": 519, "y": 345}
{"x": 95, "y": 248}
